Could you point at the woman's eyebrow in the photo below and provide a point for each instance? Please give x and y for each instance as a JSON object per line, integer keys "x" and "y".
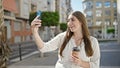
{"x": 70, "y": 18}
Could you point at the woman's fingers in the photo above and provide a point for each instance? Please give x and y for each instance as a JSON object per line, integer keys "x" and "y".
{"x": 76, "y": 60}
{"x": 36, "y": 17}
{"x": 36, "y": 22}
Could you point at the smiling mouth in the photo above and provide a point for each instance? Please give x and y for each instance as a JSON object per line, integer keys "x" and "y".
{"x": 71, "y": 27}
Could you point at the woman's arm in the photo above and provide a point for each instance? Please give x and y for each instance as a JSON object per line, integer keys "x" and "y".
{"x": 54, "y": 43}
{"x": 51, "y": 45}
{"x": 38, "y": 40}
{"x": 36, "y": 23}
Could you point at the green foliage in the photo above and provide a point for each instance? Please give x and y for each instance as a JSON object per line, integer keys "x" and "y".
{"x": 48, "y": 18}
{"x": 31, "y": 17}
{"x": 112, "y": 30}
{"x": 63, "y": 26}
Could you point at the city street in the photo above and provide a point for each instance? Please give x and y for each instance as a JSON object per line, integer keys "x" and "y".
{"x": 19, "y": 20}
{"x": 110, "y": 53}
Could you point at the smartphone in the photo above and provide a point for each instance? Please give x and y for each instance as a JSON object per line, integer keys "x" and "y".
{"x": 39, "y": 14}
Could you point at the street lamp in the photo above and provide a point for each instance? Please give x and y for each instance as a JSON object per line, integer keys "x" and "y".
{"x": 115, "y": 27}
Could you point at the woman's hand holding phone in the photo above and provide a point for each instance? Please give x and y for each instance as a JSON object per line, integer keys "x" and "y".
{"x": 36, "y": 23}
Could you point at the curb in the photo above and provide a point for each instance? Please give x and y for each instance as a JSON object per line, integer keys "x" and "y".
{"x": 110, "y": 67}
{"x": 31, "y": 67}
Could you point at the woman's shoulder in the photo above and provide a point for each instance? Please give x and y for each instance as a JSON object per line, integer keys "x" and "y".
{"x": 62, "y": 34}
{"x": 93, "y": 38}
{"x": 94, "y": 42}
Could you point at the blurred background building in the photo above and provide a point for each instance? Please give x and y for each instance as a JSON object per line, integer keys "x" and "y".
{"x": 118, "y": 19}
{"x": 16, "y": 15}
{"x": 65, "y": 8}
{"x": 101, "y": 16}
{"x": 1, "y": 12}
{"x": 46, "y": 5}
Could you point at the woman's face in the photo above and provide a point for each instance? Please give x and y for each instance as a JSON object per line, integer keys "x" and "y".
{"x": 73, "y": 24}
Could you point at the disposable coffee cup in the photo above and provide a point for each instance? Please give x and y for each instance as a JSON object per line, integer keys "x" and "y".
{"x": 75, "y": 51}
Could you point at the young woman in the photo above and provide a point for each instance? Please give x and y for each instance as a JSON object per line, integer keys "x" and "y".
{"x": 76, "y": 35}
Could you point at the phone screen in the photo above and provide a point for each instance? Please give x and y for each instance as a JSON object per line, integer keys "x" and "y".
{"x": 39, "y": 14}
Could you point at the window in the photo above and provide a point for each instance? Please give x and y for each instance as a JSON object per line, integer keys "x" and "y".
{"x": 7, "y": 13}
{"x": 98, "y": 22}
{"x": 7, "y": 24}
{"x": 89, "y": 22}
{"x": 17, "y": 26}
{"x": 114, "y": 5}
{"x": 107, "y": 21}
{"x": 98, "y": 4}
{"x": 115, "y": 13}
{"x": 98, "y": 13}
{"x": 107, "y": 13}
{"x": 107, "y": 4}
{"x": 27, "y": 26}
{"x": 17, "y": 39}
{"x": 89, "y": 5}
{"x": 89, "y": 13}
{"x": 26, "y": 9}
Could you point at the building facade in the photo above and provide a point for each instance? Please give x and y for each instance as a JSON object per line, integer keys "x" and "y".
{"x": 118, "y": 19}
{"x": 1, "y": 12}
{"x": 21, "y": 25}
{"x": 65, "y": 9}
{"x": 57, "y": 5}
{"x": 61, "y": 6}
{"x": 101, "y": 16}
{"x": 16, "y": 17}
{"x": 46, "y": 5}
{"x": 10, "y": 10}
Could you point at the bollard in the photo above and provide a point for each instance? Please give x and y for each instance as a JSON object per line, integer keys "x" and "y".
{"x": 41, "y": 54}
{"x": 20, "y": 53}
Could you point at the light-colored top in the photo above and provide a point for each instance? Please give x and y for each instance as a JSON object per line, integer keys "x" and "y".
{"x": 65, "y": 61}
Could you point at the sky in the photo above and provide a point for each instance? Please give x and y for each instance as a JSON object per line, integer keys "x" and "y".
{"x": 77, "y": 5}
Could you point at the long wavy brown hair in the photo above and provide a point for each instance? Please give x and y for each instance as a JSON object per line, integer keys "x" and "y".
{"x": 85, "y": 33}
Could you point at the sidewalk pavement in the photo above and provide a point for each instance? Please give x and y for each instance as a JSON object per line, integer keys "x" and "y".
{"x": 35, "y": 61}
{"x": 31, "y": 67}
{"x": 48, "y": 61}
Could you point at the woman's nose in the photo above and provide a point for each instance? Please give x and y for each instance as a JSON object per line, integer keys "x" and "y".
{"x": 70, "y": 23}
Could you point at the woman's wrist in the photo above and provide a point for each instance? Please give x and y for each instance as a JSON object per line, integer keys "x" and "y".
{"x": 84, "y": 64}
{"x": 34, "y": 32}
{"x": 81, "y": 62}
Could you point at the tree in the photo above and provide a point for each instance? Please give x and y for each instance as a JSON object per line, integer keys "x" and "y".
{"x": 63, "y": 26}
{"x": 48, "y": 18}
{"x": 31, "y": 17}
{"x": 4, "y": 49}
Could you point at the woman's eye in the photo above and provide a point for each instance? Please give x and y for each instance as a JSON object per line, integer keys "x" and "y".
{"x": 72, "y": 19}
{"x": 68, "y": 20}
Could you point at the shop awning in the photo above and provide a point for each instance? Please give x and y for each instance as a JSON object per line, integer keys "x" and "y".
{"x": 10, "y": 5}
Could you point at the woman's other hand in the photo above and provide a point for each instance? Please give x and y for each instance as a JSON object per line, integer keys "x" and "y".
{"x": 76, "y": 58}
